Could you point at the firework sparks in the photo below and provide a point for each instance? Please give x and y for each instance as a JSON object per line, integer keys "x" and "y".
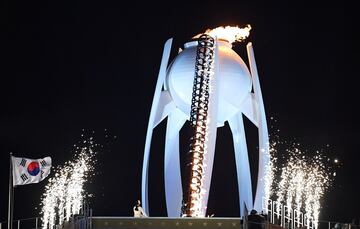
{"x": 64, "y": 193}
{"x": 302, "y": 182}
{"x": 270, "y": 174}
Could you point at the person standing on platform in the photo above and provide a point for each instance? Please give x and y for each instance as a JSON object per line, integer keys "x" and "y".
{"x": 138, "y": 210}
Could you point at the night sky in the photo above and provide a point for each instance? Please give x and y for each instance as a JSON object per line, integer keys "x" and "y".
{"x": 90, "y": 68}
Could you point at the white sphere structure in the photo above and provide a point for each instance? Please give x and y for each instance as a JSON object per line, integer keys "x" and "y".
{"x": 234, "y": 91}
{"x": 234, "y": 80}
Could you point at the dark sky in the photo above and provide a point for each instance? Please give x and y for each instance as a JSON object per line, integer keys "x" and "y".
{"x": 93, "y": 66}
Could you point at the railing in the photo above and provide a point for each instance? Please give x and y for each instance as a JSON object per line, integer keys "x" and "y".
{"x": 277, "y": 214}
{"x": 80, "y": 221}
{"x": 28, "y": 223}
{"x": 287, "y": 217}
{"x": 89, "y": 222}
{"x": 83, "y": 221}
{"x": 335, "y": 225}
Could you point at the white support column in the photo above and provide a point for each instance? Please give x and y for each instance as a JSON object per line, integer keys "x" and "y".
{"x": 172, "y": 173}
{"x": 242, "y": 162}
{"x": 154, "y": 106}
{"x": 264, "y": 154}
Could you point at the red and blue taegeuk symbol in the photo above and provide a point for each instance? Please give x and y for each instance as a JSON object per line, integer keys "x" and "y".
{"x": 33, "y": 168}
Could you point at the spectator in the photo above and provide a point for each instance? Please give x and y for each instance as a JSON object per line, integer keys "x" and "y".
{"x": 255, "y": 221}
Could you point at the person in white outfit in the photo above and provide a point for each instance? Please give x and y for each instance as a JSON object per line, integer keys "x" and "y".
{"x": 138, "y": 210}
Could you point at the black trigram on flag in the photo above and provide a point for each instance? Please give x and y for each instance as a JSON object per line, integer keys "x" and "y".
{"x": 42, "y": 173}
{"x": 43, "y": 163}
{"x": 24, "y": 177}
{"x": 23, "y": 162}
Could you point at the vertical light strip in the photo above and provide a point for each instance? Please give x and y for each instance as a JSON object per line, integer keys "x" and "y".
{"x": 199, "y": 121}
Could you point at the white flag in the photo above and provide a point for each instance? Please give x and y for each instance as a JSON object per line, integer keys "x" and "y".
{"x": 28, "y": 171}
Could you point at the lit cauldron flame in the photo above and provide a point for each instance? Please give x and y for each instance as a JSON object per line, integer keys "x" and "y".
{"x": 229, "y": 33}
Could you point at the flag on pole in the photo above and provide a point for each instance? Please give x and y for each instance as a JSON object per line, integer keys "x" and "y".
{"x": 28, "y": 171}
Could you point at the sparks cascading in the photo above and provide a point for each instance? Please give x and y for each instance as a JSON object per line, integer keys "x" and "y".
{"x": 204, "y": 71}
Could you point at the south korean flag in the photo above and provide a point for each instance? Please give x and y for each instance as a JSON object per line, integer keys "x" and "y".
{"x": 29, "y": 171}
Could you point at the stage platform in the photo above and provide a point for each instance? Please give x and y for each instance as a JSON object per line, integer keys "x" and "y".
{"x": 163, "y": 222}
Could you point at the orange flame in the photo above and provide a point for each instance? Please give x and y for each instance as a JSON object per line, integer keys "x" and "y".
{"x": 229, "y": 33}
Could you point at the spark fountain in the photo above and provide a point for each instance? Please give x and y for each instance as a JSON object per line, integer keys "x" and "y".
{"x": 300, "y": 182}
{"x": 64, "y": 194}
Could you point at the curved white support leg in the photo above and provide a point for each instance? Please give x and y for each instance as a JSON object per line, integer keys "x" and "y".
{"x": 173, "y": 185}
{"x": 262, "y": 190}
{"x": 154, "y": 107}
{"x": 242, "y": 162}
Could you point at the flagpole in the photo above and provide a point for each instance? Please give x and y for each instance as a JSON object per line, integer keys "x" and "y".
{"x": 11, "y": 195}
